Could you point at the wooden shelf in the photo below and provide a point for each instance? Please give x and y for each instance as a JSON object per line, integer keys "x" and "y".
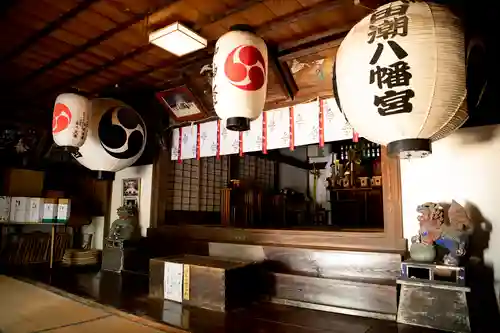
{"x": 32, "y": 223}
{"x": 354, "y": 189}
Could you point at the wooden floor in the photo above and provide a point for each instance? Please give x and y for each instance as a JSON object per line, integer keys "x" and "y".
{"x": 88, "y": 302}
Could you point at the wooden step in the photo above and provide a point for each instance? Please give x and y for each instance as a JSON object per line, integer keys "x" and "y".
{"x": 336, "y": 295}
{"x": 312, "y": 262}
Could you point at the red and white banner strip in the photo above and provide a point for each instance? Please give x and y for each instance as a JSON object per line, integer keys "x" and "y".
{"x": 179, "y": 158}
{"x": 321, "y": 123}
{"x": 218, "y": 139}
{"x": 292, "y": 130}
{"x": 264, "y": 132}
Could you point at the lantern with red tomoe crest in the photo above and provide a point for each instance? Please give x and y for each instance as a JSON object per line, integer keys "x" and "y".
{"x": 70, "y": 121}
{"x": 239, "y": 84}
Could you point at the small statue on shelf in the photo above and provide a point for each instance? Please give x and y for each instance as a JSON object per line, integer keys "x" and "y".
{"x": 124, "y": 227}
{"x": 435, "y": 231}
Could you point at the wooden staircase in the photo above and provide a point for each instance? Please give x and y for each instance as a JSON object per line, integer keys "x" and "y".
{"x": 348, "y": 282}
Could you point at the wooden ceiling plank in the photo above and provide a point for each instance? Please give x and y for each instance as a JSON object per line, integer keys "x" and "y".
{"x": 93, "y": 42}
{"x": 6, "y": 6}
{"x": 54, "y": 25}
{"x": 273, "y": 24}
{"x": 107, "y": 9}
{"x": 258, "y": 14}
{"x": 141, "y": 50}
{"x": 298, "y": 15}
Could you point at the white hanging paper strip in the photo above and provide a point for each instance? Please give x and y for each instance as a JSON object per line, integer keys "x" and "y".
{"x": 306, "y": 123}
{"x": 278, "y": 128}
{"x": 229, "y": 140}
{"x": 208, "y": 139}
{"x": 174, "y": 149}
{"x": 188, "y": 149}
{"x": 336, "y": 126}
{"x": 252, "y": 139}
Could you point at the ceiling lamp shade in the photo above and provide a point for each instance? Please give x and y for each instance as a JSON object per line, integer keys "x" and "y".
{"x": 177, "y": 39}
{"x": 116, "y": 137}
{"x": 239, "y": 85}
{"x": 400, "y": 76}
{"x": 70, "y": 121}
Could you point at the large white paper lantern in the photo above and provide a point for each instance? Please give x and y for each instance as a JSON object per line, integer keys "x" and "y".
{"x": 239, "y": 84}
{"x": 400, "y": 76}
{"x": 70, "y": 120}
{"x": 116, "y": 136}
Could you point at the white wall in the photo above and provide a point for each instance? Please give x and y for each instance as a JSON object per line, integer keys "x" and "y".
{"x": 145, "y": 173}
{"x": 464, "y": 167}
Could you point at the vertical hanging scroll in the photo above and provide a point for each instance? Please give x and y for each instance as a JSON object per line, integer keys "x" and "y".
{"x": 306, "y": 123}
{"x": 278, "y": 128}
{"x": 208, "y": 139}
{"x": 174, "y": 147}
{"x": 229, "y": 140}
{"x": 336, "y": 126}
{"x": 252, "y": 139}
{"x": 189, "y": 135}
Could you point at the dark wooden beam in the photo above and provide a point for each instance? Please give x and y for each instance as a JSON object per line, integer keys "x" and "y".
{"x": 275, "y": 155}
{"x": 48, "y": 29}
{"x": 312, "y": 48}
{"x": 322, "y": 7}
{"x": 5, "y": 6}
{"x": 147, "y": 47}
{"x": 283, "y": 75}
{"x": 94, "y": 41}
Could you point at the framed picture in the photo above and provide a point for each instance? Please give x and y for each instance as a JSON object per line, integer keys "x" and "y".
{"x": 131, "y": 187}
{"x": 131, "y": 191}
{"x": 181, "y": 103}
{"x": 131, "y": 201}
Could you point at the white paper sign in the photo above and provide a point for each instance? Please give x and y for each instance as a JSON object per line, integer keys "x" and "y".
{"x": 278, "y": 128}
{"x": 336, "y": 126}
{"x": 188, "y": 149}
{"x": 208, "y": 139}
{"x": 229, "y": 140}
{"x": 174, "y": 148}
{"x": 172, "y": 281}
{"x": 252, "y": 139}
{"x": 306, "y": 123}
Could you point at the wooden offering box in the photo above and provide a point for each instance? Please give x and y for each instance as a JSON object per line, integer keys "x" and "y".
{"x": 208, "y": 282}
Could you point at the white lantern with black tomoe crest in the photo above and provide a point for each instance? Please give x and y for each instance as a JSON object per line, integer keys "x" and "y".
{"x": 116, "y": 137}
{"x": 70, "y": 121}
{"x": 400, "y": 76}
{"x": 239, "y": 85}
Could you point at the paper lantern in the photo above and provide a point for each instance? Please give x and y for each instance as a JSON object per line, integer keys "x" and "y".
{"x": 70, "y": 121}
{"x": 116, "y": 136}
{"x": 400, "y": 76}
{"x": 239, "y": 84}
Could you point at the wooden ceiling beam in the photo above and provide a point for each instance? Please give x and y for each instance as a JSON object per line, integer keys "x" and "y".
{"x": 145, "y": 48}
{"x": 5, "y": 6}
{"x": 94, "y": 41}
{"x": 208, "y": 52}
{"x": 48, "y": 29}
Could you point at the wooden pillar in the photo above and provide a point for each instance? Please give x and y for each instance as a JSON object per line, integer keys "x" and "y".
{"x": 160, "y": 194}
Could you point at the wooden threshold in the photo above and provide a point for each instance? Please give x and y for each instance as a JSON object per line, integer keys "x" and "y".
{"x": 321, "y": 240}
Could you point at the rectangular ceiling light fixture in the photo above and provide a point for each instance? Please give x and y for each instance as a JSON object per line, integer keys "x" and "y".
{"x": 177, "y": 39}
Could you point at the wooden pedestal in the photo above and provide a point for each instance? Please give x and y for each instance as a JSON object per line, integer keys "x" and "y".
{"x": 206, "y": 282}
{"x": 432, "y": 303}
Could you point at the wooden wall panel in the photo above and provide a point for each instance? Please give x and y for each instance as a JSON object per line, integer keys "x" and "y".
{"x": 318, "y": 263}
{"x": 381, "y": 300}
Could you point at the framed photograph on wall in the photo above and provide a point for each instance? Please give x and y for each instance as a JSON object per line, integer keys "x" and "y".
{"x": 182, "y": 104}
{"x": 131, "y": 191}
